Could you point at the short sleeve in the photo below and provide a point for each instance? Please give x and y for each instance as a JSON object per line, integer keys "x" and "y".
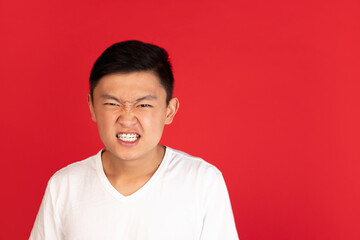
{"x": 47, "y": 225}
{"x": 218, "y": 221}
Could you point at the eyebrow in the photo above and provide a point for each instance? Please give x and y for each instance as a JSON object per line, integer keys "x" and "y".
{"x": 146, "y": 97}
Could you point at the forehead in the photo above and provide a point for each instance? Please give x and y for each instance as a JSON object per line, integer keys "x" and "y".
{"x": 130, "y": 85}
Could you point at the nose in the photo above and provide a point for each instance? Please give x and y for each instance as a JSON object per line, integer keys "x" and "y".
{"x": 127, "y": 119}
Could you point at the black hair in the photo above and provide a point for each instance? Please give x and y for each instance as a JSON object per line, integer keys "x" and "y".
{"x": 134, "y": 56}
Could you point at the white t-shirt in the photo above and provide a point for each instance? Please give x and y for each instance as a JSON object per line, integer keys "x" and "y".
{"x": 185, "y": 199}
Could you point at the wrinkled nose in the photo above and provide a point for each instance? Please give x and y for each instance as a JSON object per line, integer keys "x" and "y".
{"x": 127, "y": 119}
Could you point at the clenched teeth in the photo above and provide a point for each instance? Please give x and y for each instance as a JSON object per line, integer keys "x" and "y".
{"x": 128, "y": 137}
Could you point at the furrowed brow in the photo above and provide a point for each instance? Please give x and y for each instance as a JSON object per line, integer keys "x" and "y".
{"x": 107, "y": 96}
{"x": 147, "y": 97}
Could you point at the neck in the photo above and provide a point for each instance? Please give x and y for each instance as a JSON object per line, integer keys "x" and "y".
{"x": 116, "y": 168}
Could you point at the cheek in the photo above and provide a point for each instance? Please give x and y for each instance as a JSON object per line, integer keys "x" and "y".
{"x": 153, "y": 121}
{"x": 105, "y": 120}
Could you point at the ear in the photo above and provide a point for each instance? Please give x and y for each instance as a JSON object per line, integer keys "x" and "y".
{"x": 172, "y": 108}
{"x": 91, "y": 107}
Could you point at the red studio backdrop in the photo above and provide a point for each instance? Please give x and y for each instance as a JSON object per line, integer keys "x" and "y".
{"x": 269, "y": 93}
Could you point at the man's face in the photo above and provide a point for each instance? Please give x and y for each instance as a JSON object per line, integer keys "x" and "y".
{"x": 130, "y": 111}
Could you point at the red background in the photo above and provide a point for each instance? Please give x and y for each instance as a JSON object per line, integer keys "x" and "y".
{"x": 269, "y": 93}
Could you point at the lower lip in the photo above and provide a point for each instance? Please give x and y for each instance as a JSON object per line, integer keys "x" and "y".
{"x": 128, "y": 144}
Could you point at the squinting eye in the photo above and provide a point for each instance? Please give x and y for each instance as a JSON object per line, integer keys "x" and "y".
{"x": 144, "y": 105}
{"x": 111, "y": 104}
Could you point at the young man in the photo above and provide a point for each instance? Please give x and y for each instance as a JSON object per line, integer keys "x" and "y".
{"x": 134, "y": 188}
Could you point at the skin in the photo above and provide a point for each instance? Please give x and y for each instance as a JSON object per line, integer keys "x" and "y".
{"x": 131, "y": 103}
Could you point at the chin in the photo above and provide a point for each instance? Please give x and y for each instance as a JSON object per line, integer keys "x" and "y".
{"x": 129, "y": 152}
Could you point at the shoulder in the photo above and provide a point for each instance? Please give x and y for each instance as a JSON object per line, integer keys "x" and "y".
{"x": 200, "y": 180}
{"x": 192, "y": 165}
{"x": 76, "y": 171}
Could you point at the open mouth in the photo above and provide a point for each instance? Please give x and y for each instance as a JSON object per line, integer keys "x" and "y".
{"x": 128, "y": 137}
